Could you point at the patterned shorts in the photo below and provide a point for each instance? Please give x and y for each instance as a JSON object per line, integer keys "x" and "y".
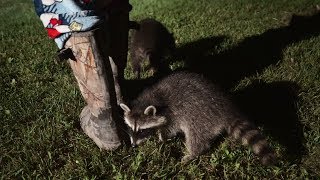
{"x": 62, "y": 17}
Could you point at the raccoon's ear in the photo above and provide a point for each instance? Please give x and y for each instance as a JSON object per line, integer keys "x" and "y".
{"x": 125, "y": 107}
{"x": 150, "y": 110}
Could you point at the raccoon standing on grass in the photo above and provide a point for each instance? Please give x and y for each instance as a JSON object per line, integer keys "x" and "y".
{"x": 189, "y": 104}
{"x": 152, "y": 42}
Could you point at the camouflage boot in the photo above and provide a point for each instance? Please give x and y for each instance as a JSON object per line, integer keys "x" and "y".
{"x": 93, "y": 71}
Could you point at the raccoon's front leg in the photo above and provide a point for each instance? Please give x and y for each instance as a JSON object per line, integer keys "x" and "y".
{"x": 136, "y": 65}
{"x": 195, "y": 147}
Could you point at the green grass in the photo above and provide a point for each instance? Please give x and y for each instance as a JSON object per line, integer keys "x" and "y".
{"x": 40, "y": 101}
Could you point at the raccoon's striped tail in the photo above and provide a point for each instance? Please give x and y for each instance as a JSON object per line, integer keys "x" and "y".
{"x": 248, "y": 134}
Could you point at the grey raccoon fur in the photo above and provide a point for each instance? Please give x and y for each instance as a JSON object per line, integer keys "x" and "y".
{"x": 151, "y": 42}
{"x": 189, "y": 104}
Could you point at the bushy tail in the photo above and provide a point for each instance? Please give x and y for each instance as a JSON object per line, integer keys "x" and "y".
{"x": 248, "y": 134}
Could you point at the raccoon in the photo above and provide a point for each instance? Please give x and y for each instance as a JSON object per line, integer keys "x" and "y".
{"x": 186, "y": 103}
{"x": 151, "y": 42}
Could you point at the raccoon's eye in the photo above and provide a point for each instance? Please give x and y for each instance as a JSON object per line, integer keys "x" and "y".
{"x": 145, "y": 132}
{"x": 140, "y": 131}
{"x": 129, "y": 129}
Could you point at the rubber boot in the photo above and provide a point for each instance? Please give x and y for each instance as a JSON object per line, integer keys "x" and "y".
{"x": 93, "y": 71}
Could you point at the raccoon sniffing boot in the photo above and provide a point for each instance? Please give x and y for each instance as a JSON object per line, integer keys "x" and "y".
{"x": 150, "y": 44}
{"x": 187, "y": 103}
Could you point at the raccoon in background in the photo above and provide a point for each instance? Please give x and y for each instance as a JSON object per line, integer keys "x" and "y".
{"x": 188, "y": 104}
{"x": 151, "y": 42}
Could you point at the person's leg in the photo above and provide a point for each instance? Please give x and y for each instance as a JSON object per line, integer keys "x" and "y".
{"x": 116, "y": 14}
{"x": 94, "y": 76}
{"x": 89, "y": 59}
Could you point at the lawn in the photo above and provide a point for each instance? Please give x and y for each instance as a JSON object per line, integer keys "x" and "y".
{"x": 265, "y": 53}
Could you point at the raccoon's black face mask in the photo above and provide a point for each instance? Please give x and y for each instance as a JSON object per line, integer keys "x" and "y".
{"x": 142, "y": 124}
{"x": 138, "y": 137}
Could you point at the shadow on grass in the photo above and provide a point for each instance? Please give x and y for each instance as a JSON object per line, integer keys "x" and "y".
{"x": 273, "y": 106}
{"x": 131, "y": 88}
{"x": 251, "y": 55}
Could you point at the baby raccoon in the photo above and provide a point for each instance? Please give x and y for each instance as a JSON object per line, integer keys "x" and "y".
{"x": 189, "y": 104}
{"x": 151, "y": 42}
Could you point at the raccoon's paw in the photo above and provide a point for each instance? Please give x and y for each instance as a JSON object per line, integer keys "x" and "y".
{"x": 269, "y": 159}
{"x": 186, "y": 159}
